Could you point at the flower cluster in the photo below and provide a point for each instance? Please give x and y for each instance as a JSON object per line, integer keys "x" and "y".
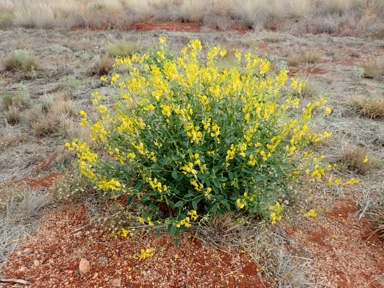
{"x": 275, "y": 213}
{"x": 311, "y": 213}
{"x": 144, "y": 253}
{"x": 192, "y": 136}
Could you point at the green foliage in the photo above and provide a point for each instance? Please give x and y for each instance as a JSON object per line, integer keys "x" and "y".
{"x": 196, "y": 140}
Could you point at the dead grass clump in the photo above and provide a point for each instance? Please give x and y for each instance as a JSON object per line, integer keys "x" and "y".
{"x": 9, "y": 137}
{"x": 71, "y": 86}
{"x": 122, "y": 49}
{"x": 6, "y": 17}
{"x": 355, "y": 159}
{"x": 14, "y": 104}
{"x": 103, "y": 66}
{"x": 373, "y": 68}
{"x": 20, "y": 60}
{"x": 306, "y": 57}
{"x": 310, "y": 90}
{"x": 377, "y": 215}
{"x": 263, "y": 242}
{"x": 219, "y": 22}
{"x": 17, "y": 100}
{"x": 17, "y": 215}
{"x": 41, "y": 122}
{"x": 13, "y": 115}
{"x": 110, "y": 215}
{"x": 369, "y": 106}
{"x": 47, "y": 117}
{"x": 222, "y": 229}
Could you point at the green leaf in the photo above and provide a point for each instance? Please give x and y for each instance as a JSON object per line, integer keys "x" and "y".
{"x": 174, "y": 230}
{"x": 174, "y": 175}
{"x": 195, "y": 202}
{"x": 170, "y": 140}
{"x": 170, "y": 204}
{"x": 139, "y": 185}
{"x": 261, "y": 178}
{"x": 176, "y": 242}
{"x": 130, "y": 200}
{"x": 179, "y": 204}
{"x": 230, "y": 175}
{"x": 189, "y": 194}
{"x": 226, "y": 204}
{"x": 216, "y": 183}
{"x": 229, "y": 140}
{"x": 214, "y": 208}
{"x": 164, "y": 161}
{"x": 180, "y": 176}
{"x": 248, "y": 170}
{"x": 214, "y": 188}
{"x": 223, "y": 179}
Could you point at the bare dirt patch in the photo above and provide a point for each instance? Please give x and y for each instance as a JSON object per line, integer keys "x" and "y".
{"x": 338, "y": 242}
{"x": 51, "y": 258}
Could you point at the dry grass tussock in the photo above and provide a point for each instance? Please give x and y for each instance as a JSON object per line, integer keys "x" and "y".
{"x": 263, "y": 242}
{"x": 13, "y": 103}
{"x": 373, "y": 67}
{"x": 17, "y": 218}
{"x": 50, "y": 116}
{"x": 304, "y": 57}
{"x": 356, "y": 159}
{"x": 369, "y": 106}
{"x": 377, "y": 215}
{"x": 9, "y": 138}
{"x": 317, "y": 16}
{"x": 20, "y": 60}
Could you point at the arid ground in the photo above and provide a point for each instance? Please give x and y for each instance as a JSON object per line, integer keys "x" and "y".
{"x": 44, "y": 240}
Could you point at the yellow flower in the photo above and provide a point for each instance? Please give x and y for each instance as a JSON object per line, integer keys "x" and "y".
{"x": 141, "y": 220}
{"x": 162, "y": 40}
{"x": 241, "y": 203}
{"x": 310, "y": 213}
{"x": 166, "y": 110}
{"x": 193, "y": 215}
{"x": 145, "y": 253}
{"x": 328, "y": 110}
{"x": 352, "y": 181}
{"x": 366, "y": 159}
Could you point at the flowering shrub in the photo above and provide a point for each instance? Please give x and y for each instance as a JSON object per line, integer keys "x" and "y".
{"x": 197, "y": 139}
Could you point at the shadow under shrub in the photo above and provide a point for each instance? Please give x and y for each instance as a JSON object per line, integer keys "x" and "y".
{"x": 195, "y": 140}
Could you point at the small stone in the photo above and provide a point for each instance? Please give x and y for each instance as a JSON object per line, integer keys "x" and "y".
{"x": 78, "y": 234}
{"x": 23, "y": 269}
{"x": 36, "y": 263}
{"x": 116, "y": 282}
{"x": 27, "y": 251}
{"x": 84, "y": 266}
{"x": 95, "y": 275}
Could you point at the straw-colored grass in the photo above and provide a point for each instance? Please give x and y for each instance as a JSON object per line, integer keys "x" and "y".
{"x": 49, "y": 116}
{"x": 304, "y": 57}
{"x": 373, "y": 67}
{"x": 369, "y": 106}
{"x": 363, "y": 14}
{"x": 356, "y": 159}
{"x": 20, "y": 60}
